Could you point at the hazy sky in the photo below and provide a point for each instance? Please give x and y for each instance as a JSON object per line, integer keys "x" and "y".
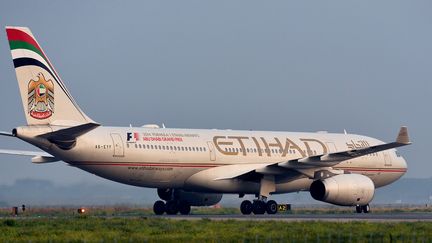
{"x": 363, "y": 66}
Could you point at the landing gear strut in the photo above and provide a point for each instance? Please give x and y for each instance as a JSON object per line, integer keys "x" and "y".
{"x": 258, "y": 206}
{"x": 363, "y": 208}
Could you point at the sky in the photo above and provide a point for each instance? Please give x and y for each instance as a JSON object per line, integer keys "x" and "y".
{"x": 363, "y": 66}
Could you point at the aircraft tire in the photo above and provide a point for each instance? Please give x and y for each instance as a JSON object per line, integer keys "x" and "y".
{"x": 159, "y": 207}
{"x": 184, "y": 208}
{"x": 259, "y": 207}
{"x": 271, "y": 207}
{"x": 246, "y": 207}
{"x": 172, "y": 207}
{"x": 359, "y": 209}
{"x": 365, "y": 208}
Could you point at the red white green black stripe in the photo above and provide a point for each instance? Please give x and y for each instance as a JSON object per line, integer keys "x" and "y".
{"x": 27, "y": 52}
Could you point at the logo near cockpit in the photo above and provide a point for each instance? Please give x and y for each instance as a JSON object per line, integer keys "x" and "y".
{"x": 132, "y": 137}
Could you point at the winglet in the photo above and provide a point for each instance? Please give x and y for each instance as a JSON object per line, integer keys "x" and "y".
{"x": 403, "y": 137}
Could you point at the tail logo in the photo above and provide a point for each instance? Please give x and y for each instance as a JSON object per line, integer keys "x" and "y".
{"x": 40, "y": 97}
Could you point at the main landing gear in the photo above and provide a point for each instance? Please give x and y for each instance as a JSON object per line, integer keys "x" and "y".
{"x": 259, "y": 206}
{"x": 171, "y": 204}
{"x": 171, "y": 207}
{"x": 363, "y": 208}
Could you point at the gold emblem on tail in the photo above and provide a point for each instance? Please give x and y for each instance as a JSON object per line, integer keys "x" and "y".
{"x": 40, "y": 97}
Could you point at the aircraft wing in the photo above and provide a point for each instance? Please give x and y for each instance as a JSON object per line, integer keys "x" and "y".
{"x": 39, "y": 157}
{"x": 401, "y": 140}
{"x": 236, "y": 170}
{"x": 311, "y": 164}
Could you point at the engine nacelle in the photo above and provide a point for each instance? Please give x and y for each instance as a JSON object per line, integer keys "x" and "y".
{"x": 192, "y": 198}
{"x": 344, "y": 190}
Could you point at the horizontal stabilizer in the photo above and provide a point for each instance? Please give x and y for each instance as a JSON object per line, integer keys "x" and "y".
{"x": 73, "y": 132}
{"x": 66, "y": 138}
{"x": 6, "y": 134}
{"x": 44, "y": 159}
{"x": 38, "y": 156}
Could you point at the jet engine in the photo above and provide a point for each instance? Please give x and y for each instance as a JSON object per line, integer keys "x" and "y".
{"x": 192, "y": 198}
{"x": 344, "y": 190}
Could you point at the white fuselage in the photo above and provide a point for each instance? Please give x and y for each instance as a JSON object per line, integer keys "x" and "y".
{"x": 167, "y": 158}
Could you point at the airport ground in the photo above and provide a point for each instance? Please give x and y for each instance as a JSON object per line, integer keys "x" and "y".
{"x": 134, "y": 224}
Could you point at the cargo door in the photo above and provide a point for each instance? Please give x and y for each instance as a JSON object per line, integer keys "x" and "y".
{"x": 118, "y": 145}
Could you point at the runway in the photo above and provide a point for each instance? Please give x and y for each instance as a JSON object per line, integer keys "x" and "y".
{"x": 371, "y": 217}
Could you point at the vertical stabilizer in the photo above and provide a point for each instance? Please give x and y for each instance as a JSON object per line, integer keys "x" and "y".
{"x": 44, "y": 96}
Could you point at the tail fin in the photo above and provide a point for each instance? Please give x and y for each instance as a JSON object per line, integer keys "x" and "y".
{"x": 44, "y": 96}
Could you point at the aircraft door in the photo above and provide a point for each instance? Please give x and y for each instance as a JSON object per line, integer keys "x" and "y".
{"x": 118, "y": 145}
{"x": 387, "y": 159}
{"x": 211, "y": 151}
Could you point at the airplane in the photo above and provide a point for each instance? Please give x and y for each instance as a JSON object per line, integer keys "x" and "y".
{"x": 195, "y": 167}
